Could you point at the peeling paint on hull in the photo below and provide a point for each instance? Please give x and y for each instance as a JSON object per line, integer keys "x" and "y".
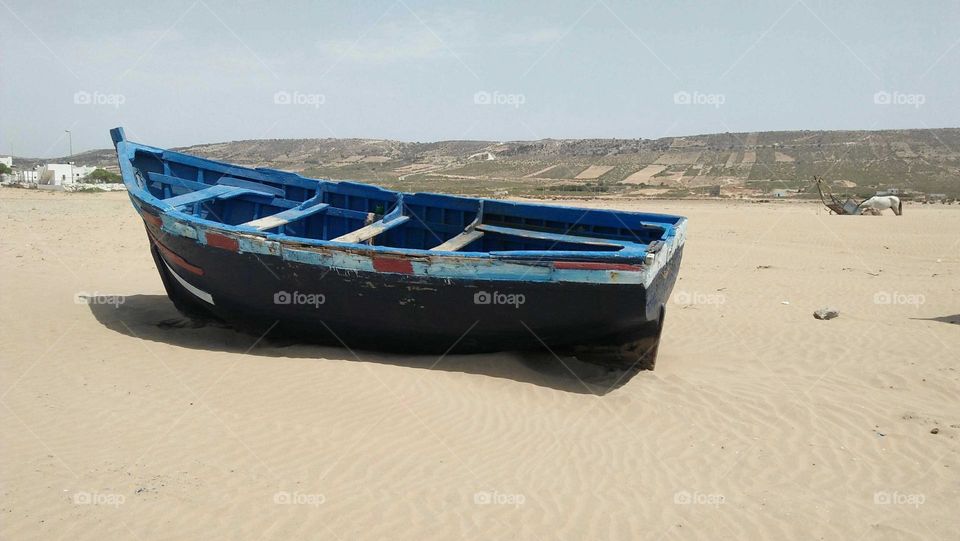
{"x": 413, "y": 313}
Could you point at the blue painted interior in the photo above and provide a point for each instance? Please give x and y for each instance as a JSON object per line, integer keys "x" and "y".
{"x": 155, "y": 175}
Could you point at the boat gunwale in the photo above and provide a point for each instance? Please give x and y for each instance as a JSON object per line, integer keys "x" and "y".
{"x": 630, "y": 251}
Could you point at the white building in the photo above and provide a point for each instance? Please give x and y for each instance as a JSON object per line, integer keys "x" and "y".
{"x": 30, "y": 175}
{"x": 58, "y": 174}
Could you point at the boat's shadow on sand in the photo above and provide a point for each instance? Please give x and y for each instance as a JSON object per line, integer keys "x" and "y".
{"x": 153, "y": 317}
{"x": 954, "y": 319}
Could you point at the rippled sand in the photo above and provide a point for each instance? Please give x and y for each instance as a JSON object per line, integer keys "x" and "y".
{"x": 126, "y": 421}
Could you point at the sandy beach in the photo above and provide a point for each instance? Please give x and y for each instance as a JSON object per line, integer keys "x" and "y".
{"x": 123, "y": 420}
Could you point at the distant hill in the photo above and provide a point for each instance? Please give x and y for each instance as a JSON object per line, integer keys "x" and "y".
{"x": 857, "y": 162}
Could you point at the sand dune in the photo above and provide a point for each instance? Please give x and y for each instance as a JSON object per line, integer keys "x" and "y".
{"x": 126, "y": 421}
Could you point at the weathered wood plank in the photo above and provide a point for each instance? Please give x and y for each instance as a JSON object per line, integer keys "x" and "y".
{"x": 213, "y": 192}
{"x": 285, "y": 217}
{"x": 368, "y": 232}
{"x": 543, "y": 235}
{"x": 242, "y": 183}
{"x": 458, "y": 242}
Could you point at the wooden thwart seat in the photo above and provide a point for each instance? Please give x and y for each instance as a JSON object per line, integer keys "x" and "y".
{"x": 206, "y": 194}
{"x": 285, "y": 217}
{"x": 250, "y": 185}
{"x": 458, "y": 242}
{"x": 203, "y": 192}
{"x": 543, "y": 235}
{"x": 368, "y": 232}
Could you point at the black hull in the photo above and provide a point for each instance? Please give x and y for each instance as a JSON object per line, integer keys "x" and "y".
{"x": 617, "y": 324}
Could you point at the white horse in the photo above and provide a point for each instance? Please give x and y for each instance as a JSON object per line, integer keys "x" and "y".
{"x": 878, "y": 203}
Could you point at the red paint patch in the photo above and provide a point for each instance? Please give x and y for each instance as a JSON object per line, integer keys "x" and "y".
{"x": 583, "y": 265}
{"x": 391, "y": 264}
{"x": 177, "y": 260}
{"x": 152, "y": 219}
{"x": 223, "y": 242}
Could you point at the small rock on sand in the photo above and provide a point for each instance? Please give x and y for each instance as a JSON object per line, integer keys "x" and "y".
{"x": 826, "y": 313}
{"x": 934, "y": 430}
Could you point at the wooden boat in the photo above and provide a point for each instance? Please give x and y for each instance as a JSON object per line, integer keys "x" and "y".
{"x": 368, "y": 268}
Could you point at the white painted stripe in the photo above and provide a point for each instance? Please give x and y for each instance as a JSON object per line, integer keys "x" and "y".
{"x": 201, "y": 294}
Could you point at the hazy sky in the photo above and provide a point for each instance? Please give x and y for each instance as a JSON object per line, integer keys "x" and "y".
{"x": 190, "y": 71}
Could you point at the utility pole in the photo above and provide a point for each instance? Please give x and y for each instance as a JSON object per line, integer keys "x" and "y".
{"x": 70, "y": 135}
